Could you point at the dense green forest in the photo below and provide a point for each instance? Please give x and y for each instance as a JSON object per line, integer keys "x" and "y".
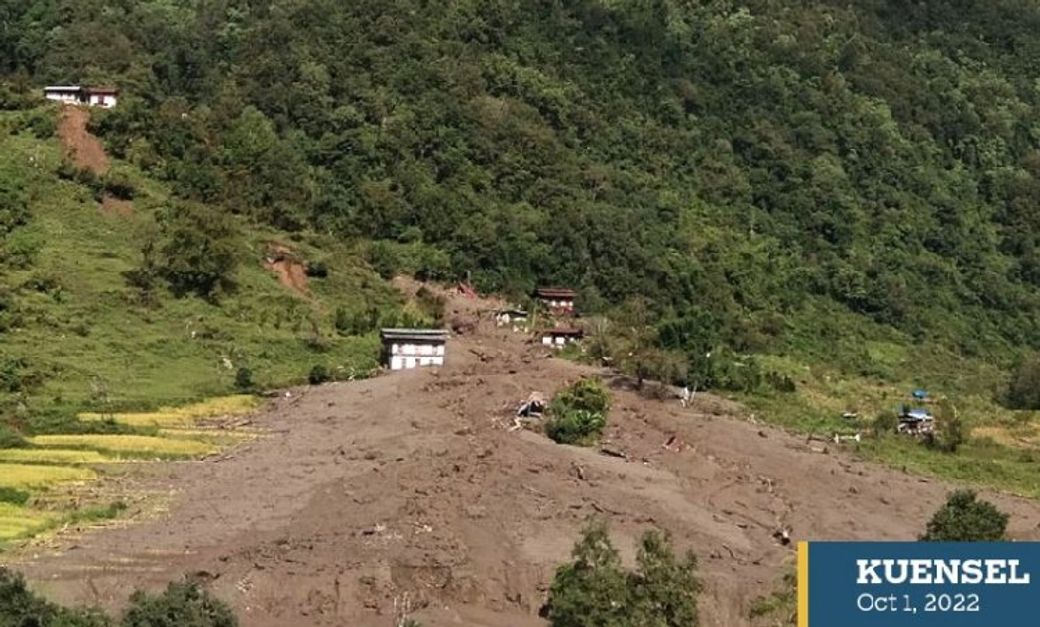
{"x": 766, "y": 175}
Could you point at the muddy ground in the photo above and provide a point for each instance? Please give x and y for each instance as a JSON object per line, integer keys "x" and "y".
{"x": 408, "y": 493}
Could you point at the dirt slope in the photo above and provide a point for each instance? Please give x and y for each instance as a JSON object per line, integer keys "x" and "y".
{"x": 80, "y": 146}
{"x": 409, "y": 491}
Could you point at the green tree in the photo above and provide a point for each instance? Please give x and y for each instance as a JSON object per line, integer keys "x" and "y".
{"x": 594, "y": 590}
{"x": 965, "y": 518}
{"x": 180, "y": 605}
{"x": 1024, "y": 387}
{"x": 196, "y": 251}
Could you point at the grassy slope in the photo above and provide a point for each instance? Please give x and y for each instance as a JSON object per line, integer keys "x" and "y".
{"x": 87, "y": 335}
{"x": 1002, "y": 451}
{"x": 92, "y": 347}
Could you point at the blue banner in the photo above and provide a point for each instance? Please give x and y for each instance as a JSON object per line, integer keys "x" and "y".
{"x": 918, "y": 584}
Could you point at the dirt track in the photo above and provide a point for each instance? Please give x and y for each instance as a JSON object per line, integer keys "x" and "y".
{"x": 80, "y": 146}
{"x": 409, "y": 490}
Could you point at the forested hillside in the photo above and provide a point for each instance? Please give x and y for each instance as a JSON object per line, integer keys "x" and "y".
{"x": 772, "y": 175}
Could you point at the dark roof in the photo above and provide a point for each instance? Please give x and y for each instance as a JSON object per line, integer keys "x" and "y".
{"x": 415, "y": 335}
{"x": 564, "y": 332}
{"x": 555, "y": 292}
{"x": 516, "y": 312}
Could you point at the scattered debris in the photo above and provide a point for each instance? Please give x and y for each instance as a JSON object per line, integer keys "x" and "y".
{"x": 606, "y": 450}
{"x": 783, "y": 536}
{"x": 838, "y": 438}
{"x": 533, "y": 407}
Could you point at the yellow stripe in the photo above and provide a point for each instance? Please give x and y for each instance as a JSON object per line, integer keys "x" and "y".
{"x": 803, "y": 584}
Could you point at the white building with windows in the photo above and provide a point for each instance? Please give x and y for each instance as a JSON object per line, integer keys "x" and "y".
{"x": 106, "y": 97}
{"x": 405, "y": 349}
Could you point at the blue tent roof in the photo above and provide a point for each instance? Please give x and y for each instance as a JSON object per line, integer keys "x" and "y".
{"x": 920, "y": 394}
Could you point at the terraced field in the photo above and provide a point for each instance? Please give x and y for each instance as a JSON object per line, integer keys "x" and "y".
{"x": 50, "y": 482}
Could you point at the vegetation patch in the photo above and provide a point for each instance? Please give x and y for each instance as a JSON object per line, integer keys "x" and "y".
{"x": 184, "y": 416}
{"x": 129, "y": 445}
{"x": 578, "y": 413}
{"x": 18, "y": 522}
{"x": 54, "y": 456}
{"x": 35, "y": 477}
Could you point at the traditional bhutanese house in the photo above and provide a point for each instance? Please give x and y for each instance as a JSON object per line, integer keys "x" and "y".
{"x": 404, "y": 349}
{"x": 106, "y": 97}
{"x": 560, "y": 337}
{"x": 70, "y": 94}
{"x": 556, "y": 300}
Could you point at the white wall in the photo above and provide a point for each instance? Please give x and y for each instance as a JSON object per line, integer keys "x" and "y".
{"x": 407, "y": 356}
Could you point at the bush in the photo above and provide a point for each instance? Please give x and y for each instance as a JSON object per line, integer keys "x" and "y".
{"x": 949, "y": 432}
{"x": 14, "y": 209}
{"x": 595, "y": 590}
{"x": 244, "y": 380}
{"x": 575, "y": 427}
{"x": 317, "y": 270}
{"x": 886, "y": 423}
{"x": 196, "y": 250}
{"x": 19, "y": 607}
{"x": 1024, "y": 388}
{"x": 10, "y": 439}
{"x": 383, "y": 259}
{"x": 964, "y": 518}
{"x": 181, "y": 605}
{"x": 578, "y": 413}
{"x": 319, "y": 374}
{"x": 118, "y": 184}
{"x": 13, "y": 496}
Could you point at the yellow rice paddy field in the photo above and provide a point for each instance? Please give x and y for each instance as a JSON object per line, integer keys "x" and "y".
{"x": 127, "y": 444}
{"x": 53, "y": 461}
{"x": 185, "y": 416}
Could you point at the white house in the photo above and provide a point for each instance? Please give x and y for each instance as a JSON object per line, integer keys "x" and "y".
{"x": 560, "y": 337}
{"x": 404, "y": 349}
{"x": 63, "y": 93}
{"x": 106, "y": 97}
{"x": 556, "y": 300}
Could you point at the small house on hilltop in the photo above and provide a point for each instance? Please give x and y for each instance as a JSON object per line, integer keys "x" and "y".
{"x": 557, "y": 300}
{"x": 405, "y": 349}
{"x": 560, "y": 337}
{"x": 106, "y": 97}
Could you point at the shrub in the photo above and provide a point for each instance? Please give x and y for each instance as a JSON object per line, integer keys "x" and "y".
{"x": 595, "y": 590}
{"x": 244, "y": 380}
{"x": 964, "y": 518}
{"x": 887, "y": 422}
{"x": 196, "y": 250}
{"x": 13, "y": 495}
{"x": 1024, "y": 388}
{"x": 319, "y": 374}
{"x": 19, "y": 607}
{"x": 118, "y": 184}
{"x": 578, "y": 413}
{"x": 949, "y": 432}
{"x": 383, "y": 259}
{"x": 181, "y": 605}
{"x": 14, "y": 209}
{"x": 575, "y": 427}
{"x": 317, "y": 270}
{"x": 10, "y": 439}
